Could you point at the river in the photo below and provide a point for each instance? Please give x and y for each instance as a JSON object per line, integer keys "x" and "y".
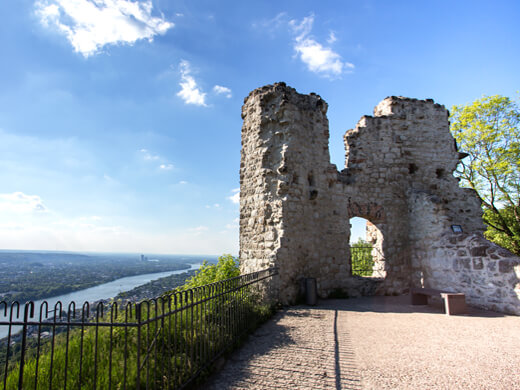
{"x": 92, "y": 294}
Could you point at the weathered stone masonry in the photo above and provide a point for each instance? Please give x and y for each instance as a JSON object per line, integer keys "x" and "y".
{"x": 295, "y": 205}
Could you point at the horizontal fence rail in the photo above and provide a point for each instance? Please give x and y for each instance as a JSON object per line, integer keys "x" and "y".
{"x": 162, "y": 343}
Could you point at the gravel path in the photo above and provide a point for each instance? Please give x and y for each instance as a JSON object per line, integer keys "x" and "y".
{"x": 376, "y": 343}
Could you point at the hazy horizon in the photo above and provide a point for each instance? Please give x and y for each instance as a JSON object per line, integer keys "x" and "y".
{"x": 120, "y": 121}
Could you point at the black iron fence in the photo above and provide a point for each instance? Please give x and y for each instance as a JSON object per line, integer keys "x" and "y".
{"x": 362, "y": 260}
{"x": 163, "y": 343}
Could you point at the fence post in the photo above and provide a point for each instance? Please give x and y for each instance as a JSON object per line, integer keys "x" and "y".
{"x": 138, "y": 318}
{"x": 28, "y": 305}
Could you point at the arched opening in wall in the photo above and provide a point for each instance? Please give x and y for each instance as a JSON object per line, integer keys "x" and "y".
{"x": 366, "y": 249}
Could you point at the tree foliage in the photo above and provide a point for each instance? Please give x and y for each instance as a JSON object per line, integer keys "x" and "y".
{"x": 226, "y": 267}
{"x": 489, "y": 131}
{"x": 360, "y": 243}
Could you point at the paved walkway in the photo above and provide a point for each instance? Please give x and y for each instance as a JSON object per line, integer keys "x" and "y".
{"x": 376, "y": 343}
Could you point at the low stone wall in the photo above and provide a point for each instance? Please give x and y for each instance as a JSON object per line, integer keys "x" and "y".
{"x": 488, "y": 274}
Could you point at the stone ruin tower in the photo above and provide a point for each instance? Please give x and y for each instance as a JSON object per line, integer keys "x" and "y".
{"x": 295, "y": 205}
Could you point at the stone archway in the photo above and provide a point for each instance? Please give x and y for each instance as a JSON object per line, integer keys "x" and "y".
{"x": 376, "y": 227}
{"x": 295, "y": 205}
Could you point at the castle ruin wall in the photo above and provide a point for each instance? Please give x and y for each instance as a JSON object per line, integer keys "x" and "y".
{"x": 295, "y": 205}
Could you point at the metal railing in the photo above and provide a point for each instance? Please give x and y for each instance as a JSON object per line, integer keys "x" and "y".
{"x": 163, "y": 343}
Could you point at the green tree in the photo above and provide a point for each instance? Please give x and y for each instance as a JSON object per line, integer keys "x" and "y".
{"x": 226, "y": 267}
{"x": 360, "y": 243}
{"x": 489, "y": 131}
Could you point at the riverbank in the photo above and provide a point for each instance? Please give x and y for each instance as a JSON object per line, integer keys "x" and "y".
{"x": 30, "y": 276}
{"x": 94, "y": 295}
{"x": 154, "y": 288}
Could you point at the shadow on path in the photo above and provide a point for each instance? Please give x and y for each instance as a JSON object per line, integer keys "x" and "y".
{"x": 301, "y": 347}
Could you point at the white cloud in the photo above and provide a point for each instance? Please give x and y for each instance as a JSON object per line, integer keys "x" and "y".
{"x": 148, "y": 156}
{"x": 220, "y": 90}
{"x": 214, "y": 206}
{"x": 271, "y": 25}
{"x": 183, "y": 182}
{"x": 190, "y": 91}
{"x": 166, "y": 167}
{"x": 235, "y": 198}
{"x": 89, "y": 25}
{"x": 198, "y": 229}
{"x": 332, "y": 38}
{"x": 318, "y": 58}
{"x": 24, "y": 226}
{"x": 20, "y": 203}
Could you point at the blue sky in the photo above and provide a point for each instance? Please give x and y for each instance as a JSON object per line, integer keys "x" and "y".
{"x": 120, "y": 120}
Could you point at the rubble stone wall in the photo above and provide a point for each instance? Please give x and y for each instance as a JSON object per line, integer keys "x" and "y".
{"x": 488, "y": 274}
{"x": 295, "y": 205}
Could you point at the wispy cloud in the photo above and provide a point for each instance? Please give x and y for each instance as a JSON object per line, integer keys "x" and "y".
{"x": 190, "y": 92}
{"x": 220, "y": 90}
{"x": 89, "y": 25}
{"x": 270, "y": 26}
{"x": 109, "y": 179}
{"x": 198, "y": 229}
{"x": 148, "y": 156}
{"x": 332, "y": 38}
{"x": 18, "y": 202}
{"x": 318, "y": 58}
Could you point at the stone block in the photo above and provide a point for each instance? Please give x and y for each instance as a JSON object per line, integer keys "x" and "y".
{"x": 477, "y": 263}
{"x": 478, "y": 251}
{"x": 506, "y": 266}
{"x": 491, "y": 266}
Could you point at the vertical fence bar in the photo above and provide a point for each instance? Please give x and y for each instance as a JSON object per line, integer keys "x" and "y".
{"x": 170, "y": 349}
{"x": 28, "y": 310}
{"x": 147, "y": 344}
{"x": 175, "y": 337}
{"x": 98, "y": 313}
{"x": 138, "y": 319}
{"x": 72, "y": 306}
{"x": 156, "y": 330}
{"x": 9, "y": 338}
{"x": 205, "y": 323}
{"x": 38, "y": 343}
{"x": 58, "y": 304}
{"x": 128, "y": 308}
{"x": 84, "y": 316}
{"x": 200, "y": 331}
{"x": 192, "y": 340}
{"x": 163, "y": 378}
{"x": 111, "y": 334}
